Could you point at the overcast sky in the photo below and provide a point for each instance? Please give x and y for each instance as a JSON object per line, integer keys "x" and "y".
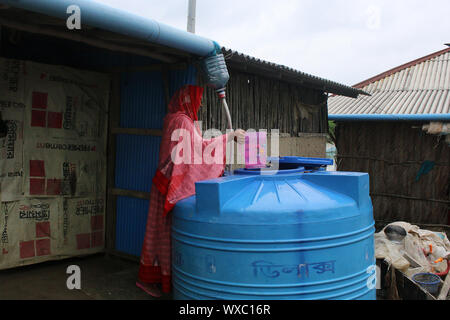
{"x": 342, "y": 40}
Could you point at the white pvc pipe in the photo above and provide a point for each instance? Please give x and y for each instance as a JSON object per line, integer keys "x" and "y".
{"x": 227, "y": 113}
{"x": 228, "y": 167}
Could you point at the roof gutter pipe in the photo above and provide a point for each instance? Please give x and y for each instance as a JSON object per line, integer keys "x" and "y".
{"x": 104, "y": 17}
{"x": 389, "y": 117}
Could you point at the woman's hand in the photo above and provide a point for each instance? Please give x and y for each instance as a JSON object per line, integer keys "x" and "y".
{"x": 239, "y": 136}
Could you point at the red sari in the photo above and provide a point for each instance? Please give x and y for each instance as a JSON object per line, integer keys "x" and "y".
{"x": 175, "y": 181}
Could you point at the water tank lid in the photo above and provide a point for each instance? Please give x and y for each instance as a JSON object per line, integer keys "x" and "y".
{"x": 302, "y": 161}
{"x": 256, "y": 172}
{"x": 290, "y": 165}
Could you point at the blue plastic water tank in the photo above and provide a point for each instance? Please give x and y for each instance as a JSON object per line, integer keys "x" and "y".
{"x": 297, "y": 236}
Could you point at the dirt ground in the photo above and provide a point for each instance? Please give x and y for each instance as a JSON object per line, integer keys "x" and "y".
{"x": 103, "y": 277}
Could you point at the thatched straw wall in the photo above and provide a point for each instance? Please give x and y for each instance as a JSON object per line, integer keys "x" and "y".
{"x": 264, "y": 103}
{"x": 393, "y": 153}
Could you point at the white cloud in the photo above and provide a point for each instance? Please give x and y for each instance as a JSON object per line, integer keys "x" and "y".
{"x": 342, "y": 40}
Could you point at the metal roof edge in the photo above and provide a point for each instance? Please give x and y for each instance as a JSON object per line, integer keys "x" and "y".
{"x": 286, "y": 73}
{"x": 390, "y": 117}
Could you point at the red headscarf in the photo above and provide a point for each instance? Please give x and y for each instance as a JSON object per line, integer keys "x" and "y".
{"x": 187, "y": 100}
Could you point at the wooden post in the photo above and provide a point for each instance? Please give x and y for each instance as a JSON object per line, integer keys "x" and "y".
{"x": 445, "y": 288}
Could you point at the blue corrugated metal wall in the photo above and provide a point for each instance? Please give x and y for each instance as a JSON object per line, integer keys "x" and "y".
{"x": 142, "y": 106}
{"x": 130, "y": 224}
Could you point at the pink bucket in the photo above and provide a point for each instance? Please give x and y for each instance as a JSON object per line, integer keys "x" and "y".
{"x": 255, "y": 150}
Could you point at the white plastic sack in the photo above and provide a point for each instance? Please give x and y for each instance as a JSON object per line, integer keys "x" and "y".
{"x": 409, "y": 254}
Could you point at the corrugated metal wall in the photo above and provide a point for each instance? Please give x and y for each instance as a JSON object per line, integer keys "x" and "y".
{"x": 130, "y": 224}
{"x": 142, "y": 106}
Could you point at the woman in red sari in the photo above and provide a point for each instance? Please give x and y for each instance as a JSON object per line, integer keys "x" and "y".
{"x": 175, "y": 180}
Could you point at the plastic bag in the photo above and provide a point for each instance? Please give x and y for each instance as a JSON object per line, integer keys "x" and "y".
{"x": 408, "y": 255}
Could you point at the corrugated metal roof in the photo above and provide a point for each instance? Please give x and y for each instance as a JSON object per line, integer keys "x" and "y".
{"x": 251, "y": 64}
{"x": 419, "y": 87}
